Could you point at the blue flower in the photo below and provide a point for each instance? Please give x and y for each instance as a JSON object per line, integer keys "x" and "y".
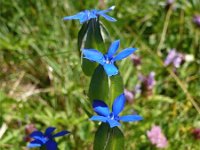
{"x": 86, "y": 15}
{"x": 112, "y": 118}
{"x": 108, "y": 60}
{"x": 46, "y": 139}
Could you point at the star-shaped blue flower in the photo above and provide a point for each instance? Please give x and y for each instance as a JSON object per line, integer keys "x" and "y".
{"x": 112, "y": 118}
{"x": 46, "y": 138}
{"x": 107, "y": 60}
{"x": 86, "y": 15}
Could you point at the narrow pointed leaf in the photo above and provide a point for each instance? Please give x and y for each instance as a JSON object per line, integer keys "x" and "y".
{"x": 105, "y": 35}
{"x": 98, "y": 85}
{"x": 82, "y": 34}
{"x": 116, "y": 87}
{"x": 107, "y": 138}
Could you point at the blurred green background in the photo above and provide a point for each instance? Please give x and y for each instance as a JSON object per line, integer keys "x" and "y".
{"x": 41, "y": 81}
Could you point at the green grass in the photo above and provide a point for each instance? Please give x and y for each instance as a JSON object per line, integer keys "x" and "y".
{"x": 41, "y": 81}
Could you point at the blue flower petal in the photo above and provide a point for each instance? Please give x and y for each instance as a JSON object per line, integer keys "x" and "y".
{"x": 118, "y": 104}
{"x": 108, "y": 18}
{"x": 77, "y": 16}
{"x": 49, "y": 130}
{"x": 110, "y": 69}
{"x": 62, "y": 133}
{"x": 93, "y": 55}
{"x": 98, "y": 118}
{"x": 113, "y": 123}
{"x": 130, "y": 118}
{"x": 83, "y": 19}
{"x": 38, "y": 136}
{"x": 35, "y": 143}
{"x": 101, "y": 108}
{"x": 36, "y": 133}
{"x": 113, "y": 49}
{"x": 125, "y": 53}
{"x": 105, "y": 11}
{"x": 51, "y": 145}
{"x": 92, "y": 14}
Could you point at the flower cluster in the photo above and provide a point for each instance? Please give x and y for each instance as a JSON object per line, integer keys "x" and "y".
{"x": 108, "y": 61}
{"x": 145, "y": 87}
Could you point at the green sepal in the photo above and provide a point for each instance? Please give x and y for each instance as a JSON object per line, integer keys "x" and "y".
{"x": 103, "y": 87}
{"x": 116, "y": 87}
{"x": 99, "y": 88}
{"x": 107, "y": 138}
{"x": 81, "y": 34}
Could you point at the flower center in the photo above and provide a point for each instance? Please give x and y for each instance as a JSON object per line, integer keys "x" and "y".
{"x": 112, "y": 117}
{"x": 108, "y": 60}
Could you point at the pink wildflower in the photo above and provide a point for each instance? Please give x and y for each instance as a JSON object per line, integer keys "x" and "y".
{"x": 156, "y": 137}
{"x": 29, "y": 128}
{"x": 196, "y": 133}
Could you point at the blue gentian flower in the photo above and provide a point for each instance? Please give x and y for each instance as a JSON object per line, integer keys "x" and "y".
{"x": 108, "y": 60}
{"x": 112, "y": 118}
{"x": 47, "y": 139}
{"x": 86, "y": 15}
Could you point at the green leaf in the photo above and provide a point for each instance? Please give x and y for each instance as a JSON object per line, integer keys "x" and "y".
{"x": 107, "y": 138}
{"x": 99, "y": 85}
{"x": 81, "y": 34}
{"x": 116, "y": 87}
{"x": 88, "y": 67}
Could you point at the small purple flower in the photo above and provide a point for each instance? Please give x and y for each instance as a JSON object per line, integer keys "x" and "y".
{"x": 147, "y": 83}
{"x": 196, "y": 20}
{"x": 174, "y": 58}
{"x": 170, "y": 57}
{"x": 108, "y": 60}
{"x": 196, "y": 133}
{"x": 169, "y": 2}
{"x": 129, "y": 95}
{"x": 156, "y": 137}
{"x": 136, "y": 60}
{"x": 45, "y": 139}
{"x": 150, "y": 81}
{"x": 86, "y": 15}
{"x": 112, "y": 118}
